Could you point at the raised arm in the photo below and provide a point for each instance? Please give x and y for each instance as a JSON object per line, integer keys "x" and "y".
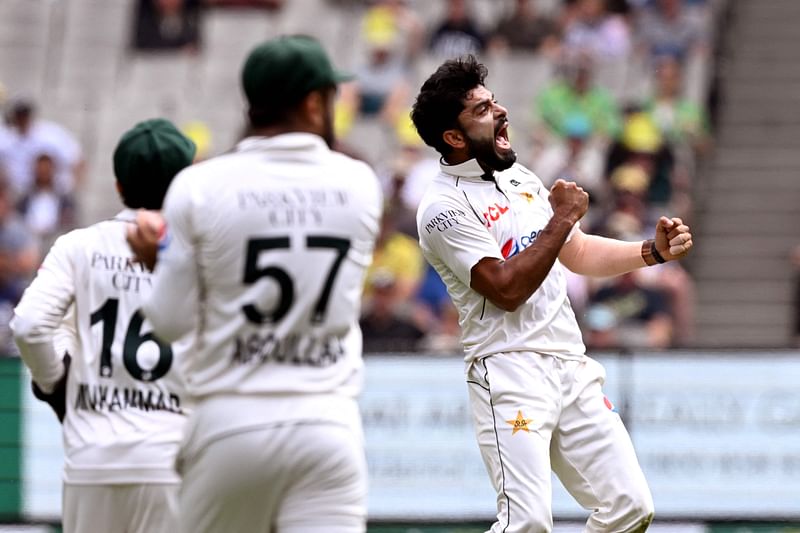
{"x": 508, "y": 284}
{"x": 592, "y": 255}
{"x": 163, "y": 242}
{"x": 173, "y": 307}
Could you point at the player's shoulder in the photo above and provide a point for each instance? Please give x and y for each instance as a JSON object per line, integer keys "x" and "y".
{"x": 201, "y": 183}
{"x": 355, "y": 175}
{"x": 518, "y": 176}
{"x": 209, "y": 168}
{"x": 442, "y": 205}
{"x": 67, "y": 243}
{"x": 74, "y": 239}
{"x": 76, "y": 242}
{"x": 352, "y": 167}
{"x": 345, "y": 160}
{"x": 441, "y": 191}
{"x": 110, "y": 230}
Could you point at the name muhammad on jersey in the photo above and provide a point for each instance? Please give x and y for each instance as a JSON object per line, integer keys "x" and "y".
{"x": 93, "y": 397}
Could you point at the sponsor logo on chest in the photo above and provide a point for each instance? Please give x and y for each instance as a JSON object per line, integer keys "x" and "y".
{"x": 494, "y": 212}
{"x": 513, "y": 246}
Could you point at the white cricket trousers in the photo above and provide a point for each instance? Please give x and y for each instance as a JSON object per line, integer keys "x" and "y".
{"x": 293, "y": 477}
{"x": 534, "y": 413}
{"x": 134, "y": 508}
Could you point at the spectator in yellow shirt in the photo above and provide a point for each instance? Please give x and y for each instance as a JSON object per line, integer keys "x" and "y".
{"x": 399, "y": 255}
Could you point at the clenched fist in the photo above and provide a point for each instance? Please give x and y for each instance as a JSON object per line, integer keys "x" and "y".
{"x": 569, "y": 200}
{"x": 673, "y": 239}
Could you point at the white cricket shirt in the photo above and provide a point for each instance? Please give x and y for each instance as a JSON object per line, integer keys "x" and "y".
{"x": 463, "y": 218}
{"x": 265, "y": 254}
{"x": 126, "y": 404}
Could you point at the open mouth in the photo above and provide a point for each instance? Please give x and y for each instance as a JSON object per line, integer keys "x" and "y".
{"x": 501, "y": 138}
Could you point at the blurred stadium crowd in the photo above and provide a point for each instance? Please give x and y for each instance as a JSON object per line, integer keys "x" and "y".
{"x": 614, "y": 94}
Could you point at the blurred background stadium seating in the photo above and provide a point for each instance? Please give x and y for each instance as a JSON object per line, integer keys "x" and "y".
{"x": 95, "y": 67}
{"x": 686, "y": 107}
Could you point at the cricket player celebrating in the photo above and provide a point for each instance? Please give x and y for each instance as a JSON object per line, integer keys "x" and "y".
{"x": 264, "y": 255}
{"x": 116, "y": 391}
{"x": 500, "y": 241}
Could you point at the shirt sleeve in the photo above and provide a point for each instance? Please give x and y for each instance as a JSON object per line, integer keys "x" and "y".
{"x": 455, "y": 235}
{"x": 173, "y": 305}
{"x": 65, "y": 338}
{"x": 41, "y": 311}
{"x": 371, "y": 209}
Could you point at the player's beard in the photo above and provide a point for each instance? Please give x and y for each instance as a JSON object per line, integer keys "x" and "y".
{"x": 485, "y": 151}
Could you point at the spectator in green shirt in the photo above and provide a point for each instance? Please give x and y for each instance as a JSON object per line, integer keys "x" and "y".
{"x": 574, "y": 93}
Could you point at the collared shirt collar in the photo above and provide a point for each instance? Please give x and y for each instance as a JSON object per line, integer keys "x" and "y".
{"x": 468, "y": 169}
{"x": 295, "y": 142}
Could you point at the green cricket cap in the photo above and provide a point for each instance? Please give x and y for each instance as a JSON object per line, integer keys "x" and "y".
{"x": 146, "y": 159}
{"x": 285, "y": 69}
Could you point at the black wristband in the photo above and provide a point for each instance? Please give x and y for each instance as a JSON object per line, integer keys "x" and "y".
{"x": 657, "y": 256}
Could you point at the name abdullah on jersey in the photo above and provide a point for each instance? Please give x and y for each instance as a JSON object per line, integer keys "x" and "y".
{"x": 298, "y": 350}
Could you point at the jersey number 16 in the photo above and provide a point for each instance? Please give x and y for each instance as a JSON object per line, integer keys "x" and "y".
{"x": 107, "y": 314}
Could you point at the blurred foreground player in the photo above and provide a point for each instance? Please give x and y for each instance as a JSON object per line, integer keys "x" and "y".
{"x": 498, "y": 238}
{"x": 113, "y": 385}
{"x": 264, "y": 254}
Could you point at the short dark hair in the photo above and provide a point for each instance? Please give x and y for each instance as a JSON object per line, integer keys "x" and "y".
{"x": 441, "y": 99}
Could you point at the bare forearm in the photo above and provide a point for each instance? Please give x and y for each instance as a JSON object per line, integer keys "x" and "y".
{"x": 592, "y": 255}
{"x": 527, "y": 270}
{"x": 509, "y": 284}
{"x": 602, "y": 257}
